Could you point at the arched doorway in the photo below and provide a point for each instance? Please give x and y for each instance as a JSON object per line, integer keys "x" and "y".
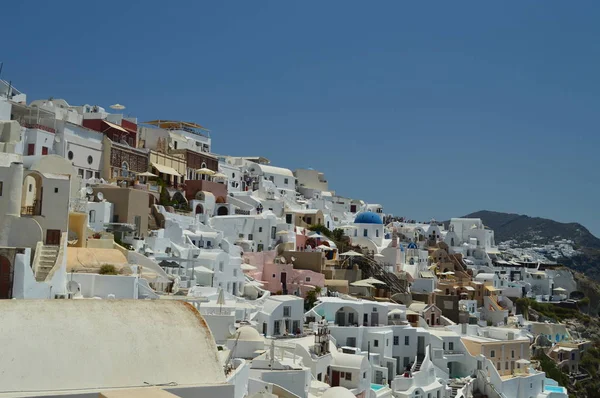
{"x": 199, "y": 209}
{"x": 223, "y": 211}
{"x": 6, "y": 278}
{"x": 32, "y": 195}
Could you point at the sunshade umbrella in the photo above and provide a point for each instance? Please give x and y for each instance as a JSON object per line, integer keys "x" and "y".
{"x": 559, "y": 289}
{"x": 351, "y": 253}
{"x": 221, "y": 299}
{"x": 373, "y": 281}
{"x": 219, "y": 175}
{"x": 203, "y": 270}
{"x": 117, "y": 106}
{"x": 362, "y": 284}
{"x": 147, "y": 174}
{"x": 523, "y": 362}
{"x": 282, "y": 233}
{"x": 205, "y": 171}
{"x": 324, "y": 247}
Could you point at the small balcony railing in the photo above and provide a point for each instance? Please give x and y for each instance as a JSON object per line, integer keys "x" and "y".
{"x": 33, "y": 210}
{"x": 38, "y": 126}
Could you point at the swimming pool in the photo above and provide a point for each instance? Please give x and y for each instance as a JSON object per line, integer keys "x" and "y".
{"x": 555, "y": 389}
{"x": 376, "y": 387}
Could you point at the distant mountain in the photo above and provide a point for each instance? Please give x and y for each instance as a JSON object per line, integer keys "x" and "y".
{"x": 509, "y": 226}
{"x": 570, "y": 244}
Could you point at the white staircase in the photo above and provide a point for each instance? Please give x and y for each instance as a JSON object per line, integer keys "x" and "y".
{"x": 47, "y": 259}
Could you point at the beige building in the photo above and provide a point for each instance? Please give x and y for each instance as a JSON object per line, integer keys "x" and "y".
{"x": 171, "y": 168}
{"x": 504, "y": 354}
{"x": 307, "y": 217}
{"x": 131, "y": 206}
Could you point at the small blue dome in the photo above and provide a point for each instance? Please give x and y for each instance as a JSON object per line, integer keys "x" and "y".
{"x": 412, "y": 245}
{"x": 368, "y": 217}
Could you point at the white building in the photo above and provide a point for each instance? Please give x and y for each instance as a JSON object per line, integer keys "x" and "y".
{"x": 283, "y": 179}
{"x": 281, "y": 315}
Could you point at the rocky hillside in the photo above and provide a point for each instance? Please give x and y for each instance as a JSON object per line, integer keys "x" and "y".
{"x": 542, "y": 239}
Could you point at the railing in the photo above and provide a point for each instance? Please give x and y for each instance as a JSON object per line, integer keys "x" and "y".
{"x": 78, "y": 205}
{"x": 38, "y": 126}
{"x": 453, "y": 352}
{"x": 31, "y": 210}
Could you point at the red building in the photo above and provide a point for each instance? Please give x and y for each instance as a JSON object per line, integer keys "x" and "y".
{"x": 127, "y": 132}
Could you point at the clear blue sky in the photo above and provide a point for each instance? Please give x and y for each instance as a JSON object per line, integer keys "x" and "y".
{"x": 434, "y": 109}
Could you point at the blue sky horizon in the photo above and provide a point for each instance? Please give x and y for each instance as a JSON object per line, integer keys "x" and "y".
{"x": 434, "y": 110}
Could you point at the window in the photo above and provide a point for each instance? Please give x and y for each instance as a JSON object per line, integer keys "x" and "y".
{"x": 250, "y": 236}
{"x": 88, "y": 174}
{"x": 287, "y": 311}
{"x": 174, "y": 144}
{"x": 44, "y": 150}
{"x": 309, "y": 220}
{"x": 396, "y": 340}
{"x": 377, "y": 233}
{"x": 70, "y": 155}
{"x": 406, "y": 340}
{"x": 506, "y": 365}
{"x": 308, "y": 279}
{"x": 365, "y": 232}
{"x": 348, "y": 376}
{"x": 273, "y": 232}
{"x": 288, "y": 218}
{"x": 90, "y": 159}
{"x": 30, "y": 149}
{"x": 276, "y": 328}
{"x": 512, "y": 354}
{"x": 30, "y": 187}
{"x": 97, "y": 174}
{"x": 80, "y": 172}
{"x": 221, "y": 266}
{"x": 375, "y": 343}
{"x": 55, "y": 190}
{"x": 387, "y": 342}
{"x": 320, "y": 376}
{"x": 137, "y": 220}
{"x": 451, "y": 346}
{"x": 364, "y": 375}
{"x": 259, "y": 229}
{"x": 1, "y": 186}
{"x": 285, "y": 181}
{"x": 232, "y": 175}
{"x": 234, "y": 272}
{"x": 92, "y": 215}
{"x": 492, "y": 354}
{"x": 351, "y": 341}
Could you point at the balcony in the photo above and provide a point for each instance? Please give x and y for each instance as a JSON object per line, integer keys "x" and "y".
{"x": 453, "y": 353}
{"x": 39, "y": 127}
{"x": 77, "y": 205}
{"x": 34, "y": 210}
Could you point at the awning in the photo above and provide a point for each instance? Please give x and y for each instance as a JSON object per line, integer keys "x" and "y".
{"x": 470, "y": 288}
{"x": 116, "y": 126}
{"x": 492, "y": 289}
{"x": 165, "y": 169}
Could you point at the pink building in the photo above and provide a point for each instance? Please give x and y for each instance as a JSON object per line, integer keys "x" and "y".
{"x": 281, "y": 277}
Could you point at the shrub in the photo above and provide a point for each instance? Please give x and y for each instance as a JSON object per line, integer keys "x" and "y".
{"x": 108, "y": 269}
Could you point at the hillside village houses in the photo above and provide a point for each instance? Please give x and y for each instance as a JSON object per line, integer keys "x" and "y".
{"x": 292, "y": 289}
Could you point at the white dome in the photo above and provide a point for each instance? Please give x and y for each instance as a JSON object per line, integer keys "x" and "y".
{"x": 338, "y": 392}
{"x": 248, "y": 333}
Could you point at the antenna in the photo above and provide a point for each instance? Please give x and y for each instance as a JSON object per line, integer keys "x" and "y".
{"x": 226, "y": 366}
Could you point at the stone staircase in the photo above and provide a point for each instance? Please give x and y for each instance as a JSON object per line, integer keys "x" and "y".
{"x": 47, "y": 260}
{"x": 418, "y": 364}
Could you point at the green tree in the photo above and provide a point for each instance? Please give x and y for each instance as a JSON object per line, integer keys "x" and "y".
{"x": 108, "y": 269}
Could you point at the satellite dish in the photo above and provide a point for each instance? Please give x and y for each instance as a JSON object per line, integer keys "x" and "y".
{"x": 73, "y": 287}
{"x": 232, "y": 330}
{"x": 89, "y": 191}
{"x": 100, "y": 196}
{"x": 57, "y": 138}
